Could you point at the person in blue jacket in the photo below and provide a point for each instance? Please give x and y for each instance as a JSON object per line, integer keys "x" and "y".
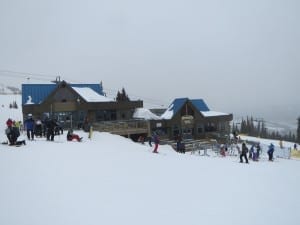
{"x": 271, "y": 151}
{"x": 29, "y": 127}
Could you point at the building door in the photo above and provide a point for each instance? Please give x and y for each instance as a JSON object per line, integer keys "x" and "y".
{"x": 187, "y": 126}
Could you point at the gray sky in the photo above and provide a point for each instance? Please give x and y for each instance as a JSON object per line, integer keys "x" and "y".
{"x": 237, "y": 55}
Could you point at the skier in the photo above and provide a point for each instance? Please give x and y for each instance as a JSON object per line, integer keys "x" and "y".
{"x": 156, "y": 142}
{"x": 271, "y": 151}
{"x": 295, "y": 146}
{"x": 38, "y": 131}
{"x": 29, "y": 127}
{"x": 251, "y": 152}
{"x": 179, "y": 145}
{"x": 150, "y": 141}
{"x": 50, "y": 125}
{"x": 223, "y": 150}
{"x": 258, "y": 149}
{"x": 244, "y": 153}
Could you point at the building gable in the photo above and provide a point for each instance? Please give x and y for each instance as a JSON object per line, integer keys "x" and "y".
{"x": 174, "y": 107}
{"x": 37, "y": 93}
{"x": 178, "y": 104}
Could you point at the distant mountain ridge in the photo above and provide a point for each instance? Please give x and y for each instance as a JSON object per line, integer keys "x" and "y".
{"x": 8, "y": 90}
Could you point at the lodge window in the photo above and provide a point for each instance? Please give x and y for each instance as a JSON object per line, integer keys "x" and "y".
{"x": 106, "y": 115}
{"x": 210, "y": 127}
{"x": 222, "y": 126}
{"x": 176, "y": 130}
{"x": 200, "y": 128}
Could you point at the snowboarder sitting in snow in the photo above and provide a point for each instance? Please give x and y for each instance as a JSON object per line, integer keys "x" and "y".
{"x": 13, "y": 133}
{"x": 71, "y": 136}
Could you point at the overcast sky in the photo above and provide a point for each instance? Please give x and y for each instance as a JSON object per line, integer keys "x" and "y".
{"x": 235, "y": 54}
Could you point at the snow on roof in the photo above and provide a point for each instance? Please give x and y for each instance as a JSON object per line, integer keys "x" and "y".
{"x": 90, "y": 95}
{"x": 142, "y": 113}
{"x": 213, "y": 113}
{"x": 29, "y": 101}
{"x": 168, "y": 114}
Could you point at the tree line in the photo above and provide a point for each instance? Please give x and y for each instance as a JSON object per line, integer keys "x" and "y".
{"x": 257, "y": 128}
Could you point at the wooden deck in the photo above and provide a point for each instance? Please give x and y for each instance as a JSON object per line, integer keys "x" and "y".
{"x": 122, "y": 127}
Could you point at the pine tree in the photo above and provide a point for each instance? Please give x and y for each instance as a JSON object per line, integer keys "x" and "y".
{"x": 258, "y": 130}
{"x": 122, "y": 96}
{"x": 298, "y": 130}
{"x": 263, "y": 130}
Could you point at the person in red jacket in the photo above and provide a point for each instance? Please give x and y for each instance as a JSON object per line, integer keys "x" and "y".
{"x": 9, "y": 122}
{"x": 71, "y": 136}
{"x": 156, "y": 142}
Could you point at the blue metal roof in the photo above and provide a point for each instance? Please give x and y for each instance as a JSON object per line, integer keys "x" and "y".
{"x": 200, "y": 105}
{"x": 178, "y": 103}
{"x": 39, "y": 92}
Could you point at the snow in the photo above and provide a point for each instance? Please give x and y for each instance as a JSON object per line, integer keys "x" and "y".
{"x": 213, "y": 113}
{"x": 109, "y": 179}
{"x": 90, "y": 95}
{"x": 29, "y": 100}
{"x": 142, "y": 113}
{"x": 168, "y": 114}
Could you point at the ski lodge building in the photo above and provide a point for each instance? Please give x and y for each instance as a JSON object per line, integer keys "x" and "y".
{"x": 192, "y": 119}
{"x": 76, "y": 105}
{"x": 85, "y": 105}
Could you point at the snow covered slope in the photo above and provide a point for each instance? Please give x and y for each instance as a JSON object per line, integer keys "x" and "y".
{"x": 111, "y": 180}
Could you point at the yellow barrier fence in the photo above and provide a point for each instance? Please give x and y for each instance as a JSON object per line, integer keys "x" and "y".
{"x": 295, "y": 154}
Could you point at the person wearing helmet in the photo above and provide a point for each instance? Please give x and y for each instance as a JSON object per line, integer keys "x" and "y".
{"x": 29, "y": 127}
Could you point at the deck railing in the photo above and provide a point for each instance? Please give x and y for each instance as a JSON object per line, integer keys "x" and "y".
{"x": 124, "y": 127}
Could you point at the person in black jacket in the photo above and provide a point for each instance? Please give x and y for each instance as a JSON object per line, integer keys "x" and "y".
{"x": 244, "y": 153}
{"x": 50, "y": 126}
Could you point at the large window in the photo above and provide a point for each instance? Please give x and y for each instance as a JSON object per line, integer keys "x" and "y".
{"x": 210, "y": 127}
{"x": 176, "y": 130}
{"x": 200, "y": 128}
{"x": 106, "y": 115}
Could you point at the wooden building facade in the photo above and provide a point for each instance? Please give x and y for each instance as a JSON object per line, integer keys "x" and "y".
{"x": 192, "y": 119}
{"x": 74, "y": 105}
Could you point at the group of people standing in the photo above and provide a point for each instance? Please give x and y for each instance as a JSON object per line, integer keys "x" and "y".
{"x": 40, "y": 128}
{"x": 254, "y": 152}
{"x": 48, "y": 128}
